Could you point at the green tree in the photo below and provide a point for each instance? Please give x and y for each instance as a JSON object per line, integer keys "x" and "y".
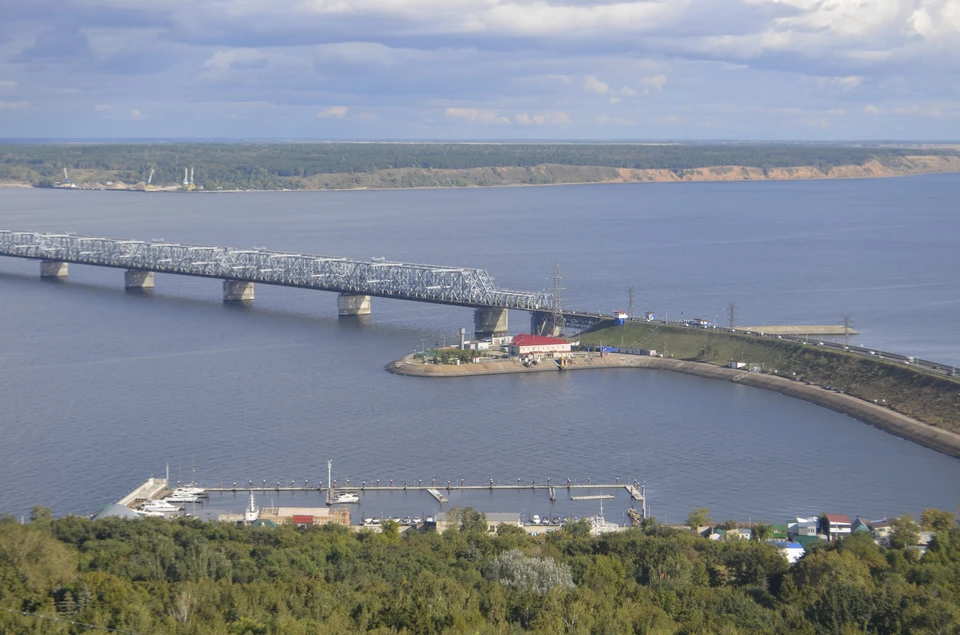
{"x": 906, "y": 532}
{"x": 936, "y": 520}
{"x": 699, "y": 517}
{"x": 761, "y": 531}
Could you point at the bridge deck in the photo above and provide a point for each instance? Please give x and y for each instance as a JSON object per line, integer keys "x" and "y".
{"x": 459, "y": 286}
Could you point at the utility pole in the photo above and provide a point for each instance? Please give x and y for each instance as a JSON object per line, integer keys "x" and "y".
{"x": 630, "y": 312}
{"x": 732, "y": 312}
{"x": 847, "y": 323}
{"x": 557, "y": 322}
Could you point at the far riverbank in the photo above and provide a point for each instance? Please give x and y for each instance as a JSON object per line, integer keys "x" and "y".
{"x": 878, "y": 416}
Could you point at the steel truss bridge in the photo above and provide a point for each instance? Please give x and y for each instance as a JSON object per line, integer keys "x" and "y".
{"x": 456, "y": 286}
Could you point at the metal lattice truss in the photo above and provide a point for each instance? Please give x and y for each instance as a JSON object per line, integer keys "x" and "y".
{"x": 405, "y": 281}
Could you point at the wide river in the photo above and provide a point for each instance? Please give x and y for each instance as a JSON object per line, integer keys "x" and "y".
{"x": 100, "y": 389}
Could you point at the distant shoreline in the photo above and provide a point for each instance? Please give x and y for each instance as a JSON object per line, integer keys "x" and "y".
{"x": 554, "y": 174}
{"x": 878, "y": 416}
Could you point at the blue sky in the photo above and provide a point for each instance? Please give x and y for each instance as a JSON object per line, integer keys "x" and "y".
{"x": 481, "y": 69}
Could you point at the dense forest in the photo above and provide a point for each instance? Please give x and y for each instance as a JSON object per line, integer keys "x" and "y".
{"x": 287, "y": 165}
{"x": 186, "y": 576}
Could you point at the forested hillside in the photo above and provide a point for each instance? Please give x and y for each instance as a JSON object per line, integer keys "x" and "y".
{"x": 295, "y": 165}
{"x": 185, "y": 576}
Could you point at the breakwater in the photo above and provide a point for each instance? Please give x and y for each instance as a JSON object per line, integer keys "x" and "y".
{"x": 877, "y": 415}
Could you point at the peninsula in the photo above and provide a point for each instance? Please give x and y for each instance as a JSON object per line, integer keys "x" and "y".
{"x": 890, "y": 395}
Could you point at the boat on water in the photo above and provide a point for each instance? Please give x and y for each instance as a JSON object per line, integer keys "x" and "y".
{"x": 347, "y": 498}
{"x": 188, "y": 490}
{"x": 252, "y": 512}
{"x": 183, "y": 498}
{"x": 153, "y": 507}
{"x": 599, "y": 525}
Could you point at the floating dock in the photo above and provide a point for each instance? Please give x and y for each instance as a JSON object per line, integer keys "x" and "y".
{"x": 594, "y": 497}
{"x": 436, "y": 494}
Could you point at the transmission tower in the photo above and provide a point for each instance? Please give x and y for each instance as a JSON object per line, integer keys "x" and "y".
{"x": 556, "y": 315}
{"x": 632, "y": 304}
{"x": 847, "y": 323}
{"x": 732, "y": 312}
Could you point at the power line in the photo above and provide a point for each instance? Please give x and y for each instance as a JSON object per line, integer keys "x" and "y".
{"x": 66, "y": 621}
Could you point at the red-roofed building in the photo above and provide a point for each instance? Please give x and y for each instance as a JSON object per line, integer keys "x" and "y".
{"x": 837, "y": 526}
{"x": 539, "y": 346}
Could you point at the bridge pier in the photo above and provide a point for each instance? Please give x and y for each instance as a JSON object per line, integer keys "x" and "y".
{"x": 489, "y": 322}
{"x": 542, "y": 324}
{"x": 135, "y": 279}
{"x": 53, "y": 269}
{"x": 349, "y": 305}
{"x": 237, "y": 291}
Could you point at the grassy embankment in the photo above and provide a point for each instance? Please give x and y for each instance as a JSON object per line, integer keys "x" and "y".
{"x": 923, "y": 396}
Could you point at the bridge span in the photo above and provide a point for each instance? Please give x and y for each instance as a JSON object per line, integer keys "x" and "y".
{"x": 240, "y": 269}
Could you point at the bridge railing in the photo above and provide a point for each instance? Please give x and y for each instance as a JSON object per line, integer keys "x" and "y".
{"x": 408, "y": 281}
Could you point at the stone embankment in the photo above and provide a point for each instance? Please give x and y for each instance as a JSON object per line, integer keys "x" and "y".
{"x": 873, "y": 414}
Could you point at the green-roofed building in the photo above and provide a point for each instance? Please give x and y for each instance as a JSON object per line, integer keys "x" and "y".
{"x": 806, "y": 541}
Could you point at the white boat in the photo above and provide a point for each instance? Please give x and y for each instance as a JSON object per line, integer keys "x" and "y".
{"x": 536, "y": 519}
{"x": 188, "y": 491}
{"x": 161, "y": 507}
{"x": 348, "y": 498}
{"x": 598, "y": 525}
{"x": 182, "y": 498}
{"x": 252, "y": 512}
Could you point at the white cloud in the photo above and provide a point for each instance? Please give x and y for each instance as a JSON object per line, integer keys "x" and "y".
{"x": 334, "y": 112}
{"x": 103, "y": 108}
{"x": 594, "y": 85}
{"x": 219, "y": 65}
{"x": 6, "y": 84}
{"x": 136, "y": 115}
{"x": 627, "y": 91}
{"x": 476, "y": 115}
{"x": 614, "y": 101}
{"x": 653, "y": 83}
{"x": 14, "y": 105}
{"x": 870, "y": 109}
{"x": 836, "y": 111}
{"x": 548, "y": 118}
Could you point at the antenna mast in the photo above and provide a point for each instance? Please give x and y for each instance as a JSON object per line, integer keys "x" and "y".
{"x": 732, "y": 312}
{"x": 632, "y": 304}
{"x": 556, "y": 319}
{"x": 847, "y": 323}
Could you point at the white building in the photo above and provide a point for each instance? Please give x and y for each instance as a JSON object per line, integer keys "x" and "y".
{"x": 538, "y": 346}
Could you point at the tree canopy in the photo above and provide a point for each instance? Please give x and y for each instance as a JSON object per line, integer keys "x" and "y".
{"x": 186, "y": 576}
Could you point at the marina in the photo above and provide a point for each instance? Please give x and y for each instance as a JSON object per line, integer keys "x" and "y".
{"x": 298, "y": 503}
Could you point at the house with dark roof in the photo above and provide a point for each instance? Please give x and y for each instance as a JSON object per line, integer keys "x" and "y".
{"x": 836, "y": 526}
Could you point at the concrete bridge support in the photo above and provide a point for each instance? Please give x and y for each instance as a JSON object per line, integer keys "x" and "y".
{"x": 491, "y": 322}
{"x": 542, "y": 324}
{"x": 134, "y": 279}
{"x": 53, "y": 269}
{"x": 237, "y": 291}
{"x": 349, "y": 305}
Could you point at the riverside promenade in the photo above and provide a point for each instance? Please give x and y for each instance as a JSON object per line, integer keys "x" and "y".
{"x": 876, "y": 415}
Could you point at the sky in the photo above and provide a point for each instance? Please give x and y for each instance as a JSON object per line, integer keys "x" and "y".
{"x": 481, "y": 69}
